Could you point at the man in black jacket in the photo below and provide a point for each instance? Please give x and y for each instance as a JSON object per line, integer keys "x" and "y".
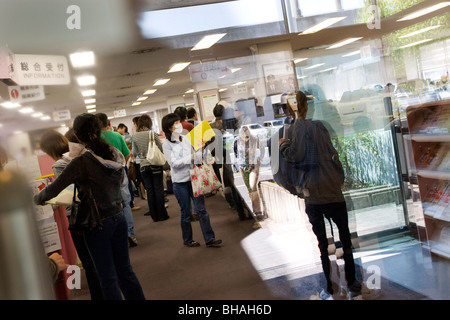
{"x": 320, "y": 177}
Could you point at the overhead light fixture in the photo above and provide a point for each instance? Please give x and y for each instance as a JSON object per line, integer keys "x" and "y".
{"x": 328, "y": 69}
{"x": 142, "y": 98}
{"x": 45, "y": 118}
{"x": 190, "y": 91}
{"x": 86, "y": 80}
{"x": 82, "y": 59}
{"x": 143, "y": 112}
{"x": 420, "y": 31}
{"x": 208, "y": 41}
{"x": 26, "y": 110}
{"x": 37, "y": 115}
{"x": 415, "y": 43}
{"x": 238, "y": 83}
{"x": 354, "y": 53}
{"x": 136, "y": 104}
{"x": 10, "y": 105}
{"x": 88, "y": 93}
{"x": 300, "y": 60}
{"x": 89, "y": 101}
{"x": 92, "y": 110}
{"x": 343, "y": 42}
{"x": 425, "y": 11}
{"x": 315, "y": 66}
{"x": 233, "y": 70}
{"x": 223, "y": 89}
{"x": 178, "y": 67}
{"x": 91, "y": 106}
{"x": 322, "y": 25}
{"x": 161, "y": 82}
{"x": 151, "y": 91}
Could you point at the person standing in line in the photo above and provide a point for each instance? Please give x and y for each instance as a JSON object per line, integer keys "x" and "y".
{"x": 320, "y": 178}
{"x": 108, "y": 246}
{"x": 115, "y": 139}
{"x": 181, "y": 157}
{"x": 181, "y": 112}
{"x": 152, "y": 175}
{"x": 191, "y": 115}
{"x": 63, "y": 150}
{"x": 137, "y": 162}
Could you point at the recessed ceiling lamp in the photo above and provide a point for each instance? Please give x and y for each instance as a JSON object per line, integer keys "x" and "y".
{"x": 178, "y": 67}
{"x": 88, "y": 93}
{"x": 420, "y": 31}
{"x": 161, "y": 82}
{"x": 26, "y": 110}
{"x": 415, "y": 43}
{"x": 142, "y": 98}
{"x": 136, "y": 104}
{"x": 322, "y": 25}
{"x": 86, "y": 80}
{"x": 354, "y": 53}
{"x": 190, "y": 91}
{"x": 82, "y": 59}
{"x": 37, "y": 115}
{"x": 10, "y": 105}
{"x": 328, "y": 69}
{"x": 233, "y": 70}
{"x": 151, "y": 91}
{"x": 300, "y": 60}
{"x": 208, "y": 41}
{"x": 315, "y": 66}
{"x": 45, "y": 118}
{"x": 344, "y": 42}
{"x": 89, "y": 101}
{"x": 92, "y": 110}
{"x": 91, "y": 106}
{"x": 223, "y": 89}
{"x": 425, "y": 11}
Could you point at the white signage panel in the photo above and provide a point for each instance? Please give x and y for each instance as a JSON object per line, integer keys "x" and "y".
{"x": 21, "y": 94}
{"x": 120, "y": 113}
{"x": 40, "y": 70}
{"x": 61, "y": 115}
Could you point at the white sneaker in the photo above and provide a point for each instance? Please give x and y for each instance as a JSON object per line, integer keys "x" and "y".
{"x": 325, "y": 295}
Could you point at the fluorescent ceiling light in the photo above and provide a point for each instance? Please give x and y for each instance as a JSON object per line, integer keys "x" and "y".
{"x": 415, "y": 43}
{"x": 142, "y": 98}
{"x": 151, "y": 91}
{"x": 315, "y": 66}
{"x": 143, "y": 112}
{"x": 89, "y": 101}
{"x": 420, "y": 31}
{"x": 82, "y": 59}
{"x": 233, "y": 70}
{"x": 425, "y": 11}
{"x": 88, "y": 93}
{"x": 300, "y": 60}
{"x": 343, "y": 42}
{"x": 45, "y": 118}
{"x": 91, "y": 106}
{"x": 322, "y": 25}
{"x": 352, "y": 53}
{"x": 190, "y": 91}
{"x": 238, "y": 83}
{"x": 223, "y": 89}
{"x": 208, "y": 41}
{"x": 26, "y": 110}
{"x": 86, "y": 80}
{"x": 178, "y": 67}
{"x": 161, "y": 82}
{"x": 10, "y": 105}
{"x": 37, "y": 115}
{"x": 92, "y": 110}
{"x": 328, "y": 69}
{"x": 136, "y": 104}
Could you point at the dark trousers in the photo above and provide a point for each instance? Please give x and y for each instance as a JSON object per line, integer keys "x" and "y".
{"x": 153, "y": 183}
{"x": 338, "y": 213}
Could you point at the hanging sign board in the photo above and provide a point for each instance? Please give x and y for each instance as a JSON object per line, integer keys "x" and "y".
{"x": 21, "y": 94}
{"x": 120, "y": 113}
{"x": 40, "y": 70}
{"x": 6, "y": 63}
{"x": 61, "y": 115}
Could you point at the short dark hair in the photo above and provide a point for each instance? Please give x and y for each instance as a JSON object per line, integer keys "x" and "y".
{"x": 191, "y": 112}
{"x": 122, "y": 125}
{"x": 54, "y": 144}
{"x": 181, "y": 112}
{"x": 144, "y": 123}
{"x": 103, "y": 118}
{"x": 218, "y": 110}
{"x": 136, "y": 119}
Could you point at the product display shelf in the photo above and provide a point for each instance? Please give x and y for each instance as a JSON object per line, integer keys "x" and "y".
{"x": 429, "y": 125}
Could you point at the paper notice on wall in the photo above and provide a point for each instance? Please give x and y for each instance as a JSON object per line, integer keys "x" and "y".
{"x": 29, "y": 166}
{"x": 50, "y": 237}
{"x": 42, "y": 212}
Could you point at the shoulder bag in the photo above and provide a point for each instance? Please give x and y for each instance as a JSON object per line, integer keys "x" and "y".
{"x": 84, "y": 214}
{"x": 154, "y": 154}
{"x": 203, "y": 180}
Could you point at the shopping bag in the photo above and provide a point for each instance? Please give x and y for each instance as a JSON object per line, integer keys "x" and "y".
{"x": 204, "y": 181}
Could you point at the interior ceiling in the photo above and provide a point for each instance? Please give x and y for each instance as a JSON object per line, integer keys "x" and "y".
{"x": 122, "y": 77}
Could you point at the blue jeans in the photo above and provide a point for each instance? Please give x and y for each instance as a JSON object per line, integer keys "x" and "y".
{"x": 109, "y": 251}
{"x": 126, "y": 197}
{"x": 183, "y": 193}
{"x": 153, "y": 183}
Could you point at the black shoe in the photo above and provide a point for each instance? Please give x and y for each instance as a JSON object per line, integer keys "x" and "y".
{"x": 147, "y": 213}
{"x": 354, "y": 289}
{"x": 132, "y": 242}
{"x": 192, "y": 244}
{"x": 214, "y": 243}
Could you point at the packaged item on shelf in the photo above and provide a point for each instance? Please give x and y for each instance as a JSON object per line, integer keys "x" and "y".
{"x": 425, "y": 156}
{"x": 444, "y": 165}
{"x": 431, "y": 202}
{"x": 436, "y": 159}
{"x": 442, "y": 208}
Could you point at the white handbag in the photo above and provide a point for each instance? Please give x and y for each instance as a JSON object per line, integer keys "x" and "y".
{"x": 154, "y": 155}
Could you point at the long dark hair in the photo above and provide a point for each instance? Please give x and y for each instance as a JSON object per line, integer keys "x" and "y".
{"x": 88, "y": 130}
{"x": 167, "y": 122}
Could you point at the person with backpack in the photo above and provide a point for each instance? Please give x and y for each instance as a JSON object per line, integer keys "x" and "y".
{"x": 318, "y": 178}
